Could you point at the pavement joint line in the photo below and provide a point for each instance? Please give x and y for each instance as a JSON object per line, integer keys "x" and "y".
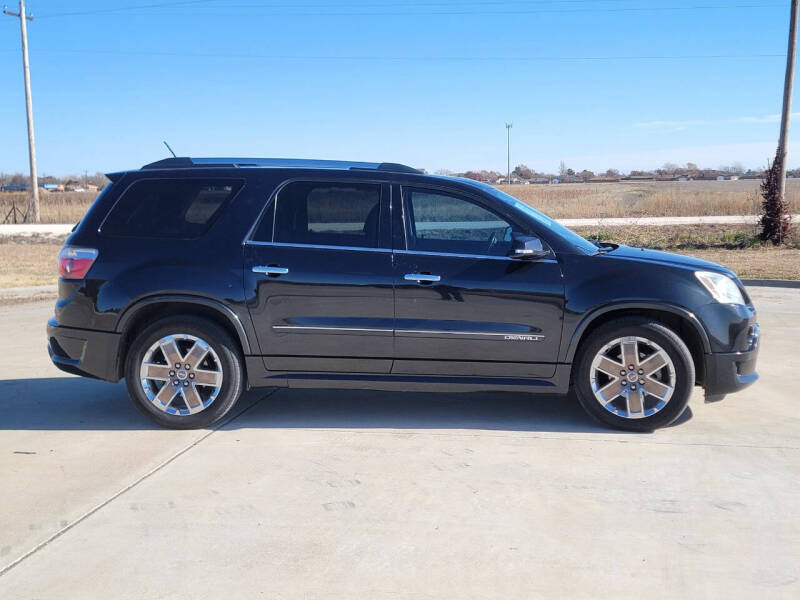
{"x": 521, "y": 434}
{"x": 131, "y": 485}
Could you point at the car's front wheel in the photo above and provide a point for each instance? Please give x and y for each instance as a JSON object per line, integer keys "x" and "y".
{"x": 634, "y": 374}
{"x": 184, "y": 372}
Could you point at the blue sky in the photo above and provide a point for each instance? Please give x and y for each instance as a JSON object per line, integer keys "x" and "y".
{"x": 598, "y": 84}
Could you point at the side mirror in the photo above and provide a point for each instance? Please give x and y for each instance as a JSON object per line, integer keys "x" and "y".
{"x": 527, "y": 247}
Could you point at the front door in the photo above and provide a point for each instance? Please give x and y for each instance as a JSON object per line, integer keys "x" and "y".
{"x": 462, "y": 307}
{"x": 318, "y": 271}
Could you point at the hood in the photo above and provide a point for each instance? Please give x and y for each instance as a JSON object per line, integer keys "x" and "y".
{"x": 667, "y": 258}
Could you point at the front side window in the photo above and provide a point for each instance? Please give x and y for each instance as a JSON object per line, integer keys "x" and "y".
{"x": 440, "y": 222}
{"x": 169, "y": 208}
{"x": 579, "y": 242}
{"x": 329, "y": 214}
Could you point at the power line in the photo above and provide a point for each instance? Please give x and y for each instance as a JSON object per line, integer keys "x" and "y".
{"x": 538, "y": 6}
{"x": 401, "y": 58}
{"x": 300, "y": 10}
{"x": 311, "y": 4}
{"x": 117, "y": 9}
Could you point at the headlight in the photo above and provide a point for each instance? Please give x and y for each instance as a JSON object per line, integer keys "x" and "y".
{"x": 721, "y": 287}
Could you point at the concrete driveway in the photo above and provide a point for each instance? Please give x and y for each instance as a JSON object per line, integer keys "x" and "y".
{"x": 308, "y": 494}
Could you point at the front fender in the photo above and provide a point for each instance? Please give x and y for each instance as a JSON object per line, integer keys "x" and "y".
{"x": 570, "y": 346}
{"x": 597, "y": 285}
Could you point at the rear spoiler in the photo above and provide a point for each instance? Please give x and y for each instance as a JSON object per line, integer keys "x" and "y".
{"x": 114, "y": 177}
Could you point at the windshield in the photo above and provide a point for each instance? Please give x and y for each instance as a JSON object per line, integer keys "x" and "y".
{"x": 570, "y": 236}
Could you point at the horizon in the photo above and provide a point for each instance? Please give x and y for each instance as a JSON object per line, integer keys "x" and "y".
{"x": 618, "y": 84}
{"x": 683, "y": 167}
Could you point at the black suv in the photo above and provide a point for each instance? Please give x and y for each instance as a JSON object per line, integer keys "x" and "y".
{"x": 196, "y": 278}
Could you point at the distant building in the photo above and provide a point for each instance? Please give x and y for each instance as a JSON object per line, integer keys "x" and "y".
{"x": 78, "y": 186}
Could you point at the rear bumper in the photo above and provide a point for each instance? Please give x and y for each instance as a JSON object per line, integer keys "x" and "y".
{"x": 729, "y": 372}
{"x": 84, "y": 351}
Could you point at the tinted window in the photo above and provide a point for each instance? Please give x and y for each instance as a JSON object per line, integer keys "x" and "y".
{"x": 573, "y": 238}
{"x": 444, "y": 223}
{"x": 330, "y": 214}
{"x": 176, "y": 208}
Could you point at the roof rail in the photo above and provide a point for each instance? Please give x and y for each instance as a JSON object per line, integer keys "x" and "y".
{"x": 184, "y": 162}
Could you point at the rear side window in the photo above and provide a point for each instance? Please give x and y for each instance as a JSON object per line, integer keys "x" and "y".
{"x": 329, "y": 214}
{"x": 170, "y": 208}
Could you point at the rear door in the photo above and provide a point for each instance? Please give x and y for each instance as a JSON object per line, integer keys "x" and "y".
{"x": 318, "y": 270}
{"x": 462, "y": 307}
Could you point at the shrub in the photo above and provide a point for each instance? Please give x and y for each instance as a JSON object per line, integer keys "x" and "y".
{"x": 775, "y": 222}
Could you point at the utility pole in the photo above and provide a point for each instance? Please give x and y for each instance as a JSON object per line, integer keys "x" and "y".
{"x": 787, "y": 99}
{"x": 33, "y": 206}
{"x": 508, "y": 152}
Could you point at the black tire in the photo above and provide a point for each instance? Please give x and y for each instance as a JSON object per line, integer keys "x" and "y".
{"x": 230, "y": 363}
{"x": 654, "y": 331}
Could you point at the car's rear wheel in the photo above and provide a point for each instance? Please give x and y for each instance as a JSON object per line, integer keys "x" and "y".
{"x": 184, "y": 372}
{"x": 634, "y": 374}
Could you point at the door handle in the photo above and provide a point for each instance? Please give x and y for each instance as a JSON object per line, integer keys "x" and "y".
{"x": 422, "y": 277}
{"x": 271, "y": 270}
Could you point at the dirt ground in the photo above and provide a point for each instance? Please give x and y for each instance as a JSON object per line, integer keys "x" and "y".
{"x": 24, "y": 264}
{"x": 754, "y": 263}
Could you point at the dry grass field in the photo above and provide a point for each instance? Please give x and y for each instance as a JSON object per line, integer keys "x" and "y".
{"x": 754, "y": 263}
{"x": 55, "y": 207}
{"x": 649, "y": 198}
{"x": 570, "y": 200}
{"x": 685, "y": 237}
{"x": 25, "y": 262}
{"x": 31, "y": 261}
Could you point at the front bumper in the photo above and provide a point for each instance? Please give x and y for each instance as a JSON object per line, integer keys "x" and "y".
{"x": 728, "y": 372}
{"x": 84, "y": 351}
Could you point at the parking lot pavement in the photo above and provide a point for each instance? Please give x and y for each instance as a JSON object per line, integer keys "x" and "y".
{"x": 376, "y": 495}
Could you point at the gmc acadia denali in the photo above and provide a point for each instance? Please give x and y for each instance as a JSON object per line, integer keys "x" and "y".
{"x": 196, "y": 278}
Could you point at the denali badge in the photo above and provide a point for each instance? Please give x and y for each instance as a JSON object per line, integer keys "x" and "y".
{"x": 524, "y": 338}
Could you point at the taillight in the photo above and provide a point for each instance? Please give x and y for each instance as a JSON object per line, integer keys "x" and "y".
{"x": 74, "y": 263}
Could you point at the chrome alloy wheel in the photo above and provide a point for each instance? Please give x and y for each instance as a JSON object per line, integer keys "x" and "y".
{"x": 632, "y": 377}
{"x": 181, "y": 374}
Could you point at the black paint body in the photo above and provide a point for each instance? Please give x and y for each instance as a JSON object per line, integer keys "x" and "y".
{"x": 346, "y": 317}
